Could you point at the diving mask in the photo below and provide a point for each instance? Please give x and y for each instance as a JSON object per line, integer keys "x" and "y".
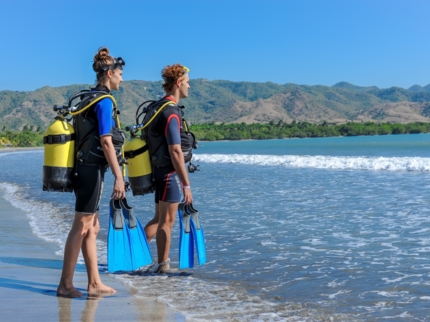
{"x": 117, "y": 63}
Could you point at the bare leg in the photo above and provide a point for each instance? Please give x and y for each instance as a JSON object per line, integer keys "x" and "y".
{"x": 71, "y": 252}
{"x": 152, "y": 226}
{"x": 167, "y": 213}
{"x": 89, "y": 251}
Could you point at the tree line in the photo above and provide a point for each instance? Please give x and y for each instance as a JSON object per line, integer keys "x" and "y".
{"x": 281, "y": 130}
{"x": 30, "y": 136}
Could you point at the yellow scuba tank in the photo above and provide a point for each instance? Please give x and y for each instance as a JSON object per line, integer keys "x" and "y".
{"x": 59, "y": 151}
{"x": 139, "y": 166}
{"x": 137, "y": 154}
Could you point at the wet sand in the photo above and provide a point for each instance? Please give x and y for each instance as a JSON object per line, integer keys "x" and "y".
{"x": 30, "y": 271}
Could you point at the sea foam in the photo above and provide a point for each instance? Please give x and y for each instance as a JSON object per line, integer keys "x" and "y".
{"x": 416, "y": 164}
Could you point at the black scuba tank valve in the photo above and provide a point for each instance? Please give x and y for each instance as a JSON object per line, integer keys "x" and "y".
{"x": 62, "y": 110}
{"x": 133, "y": 129}
{"x": 193, "y": 168}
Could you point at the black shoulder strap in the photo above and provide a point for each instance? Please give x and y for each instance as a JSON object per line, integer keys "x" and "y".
{"x": 88, "y": 99}
{"x": 154, "y": 110}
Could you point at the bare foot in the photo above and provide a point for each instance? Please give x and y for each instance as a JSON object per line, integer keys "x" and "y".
{"x": 68, "y": 292}
{"x": 100, "y": 289}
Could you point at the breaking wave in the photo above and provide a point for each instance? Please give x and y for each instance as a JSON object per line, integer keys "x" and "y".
{"x": 415, "y": 164}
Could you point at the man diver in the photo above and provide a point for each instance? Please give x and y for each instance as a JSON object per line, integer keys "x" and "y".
{"x": 168, "y": 143}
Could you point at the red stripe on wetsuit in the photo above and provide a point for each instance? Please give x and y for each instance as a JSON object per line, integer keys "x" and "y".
{"x": 166, "y": 187}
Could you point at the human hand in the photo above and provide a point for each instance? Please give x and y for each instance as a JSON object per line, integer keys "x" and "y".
{"x": 118, "y": 189}
{"x": 188, "y": 196}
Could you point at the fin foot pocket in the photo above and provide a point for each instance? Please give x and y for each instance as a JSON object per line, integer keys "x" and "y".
{"x": 197, "y": 233}
{"x": 186, "y": 244}
{"x": 139, "y": 248}
{"x": 118, "y": 249}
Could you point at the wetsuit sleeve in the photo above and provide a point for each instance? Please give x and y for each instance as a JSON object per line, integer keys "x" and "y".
{"x": 173, "y": 131}
{"x": 103, "y": 110}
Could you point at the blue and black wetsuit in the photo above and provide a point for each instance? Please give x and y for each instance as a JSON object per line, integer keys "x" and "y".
{"x": 96, "y": 122}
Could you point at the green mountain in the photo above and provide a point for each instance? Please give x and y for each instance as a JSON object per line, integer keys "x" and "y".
{"x": 418, "y": 88}
{"x": 350, "y": 86}
{"x": 225, "y": 101}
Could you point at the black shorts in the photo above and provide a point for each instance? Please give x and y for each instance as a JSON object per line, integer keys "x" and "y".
{"x": 88, "y": 187}
{"x": 168, "y": 186}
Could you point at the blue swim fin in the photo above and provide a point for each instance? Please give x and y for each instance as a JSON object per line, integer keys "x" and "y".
{"x": 197, "y": 231}
{"x": 139, "y": 249}
{"x": 186, "y": 246}
{"x": 118, "y": 249}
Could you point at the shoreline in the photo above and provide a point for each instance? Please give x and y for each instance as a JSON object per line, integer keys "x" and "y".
{"x": 16, "y": 149}
{"x": 30, "y": 272}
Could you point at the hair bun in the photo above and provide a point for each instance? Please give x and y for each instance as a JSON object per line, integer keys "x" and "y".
{"x": 102, "y": 54}
{"x": 101, "y": 58}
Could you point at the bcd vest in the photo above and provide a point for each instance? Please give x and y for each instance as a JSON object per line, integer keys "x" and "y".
{"x": 88, "y": 146}
{"x": 157, "y": 144}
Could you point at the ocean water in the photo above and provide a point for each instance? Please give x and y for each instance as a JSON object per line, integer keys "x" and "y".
{"x": 324, "y": 229}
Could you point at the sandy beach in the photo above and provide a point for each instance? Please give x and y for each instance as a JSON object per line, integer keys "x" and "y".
{"x": 30, "y": 271}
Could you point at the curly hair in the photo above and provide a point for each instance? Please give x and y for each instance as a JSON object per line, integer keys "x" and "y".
{"x": 171, "y": 74}
{"x": 102, "y": 59}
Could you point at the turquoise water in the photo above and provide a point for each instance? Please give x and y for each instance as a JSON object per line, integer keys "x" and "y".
{"x": 383, "y": 145}
{"x": 296, "y": 230}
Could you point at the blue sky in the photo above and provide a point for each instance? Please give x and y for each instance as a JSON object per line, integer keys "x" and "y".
{"x": 313, "y": 42}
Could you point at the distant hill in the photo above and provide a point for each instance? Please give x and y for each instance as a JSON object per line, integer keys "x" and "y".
{"x": 418, "y": 88}
{"x": 226, "y": 101}
{"x": 350, "y": 86}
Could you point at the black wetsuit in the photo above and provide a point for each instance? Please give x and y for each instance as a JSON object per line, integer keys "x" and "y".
{"x": 167, "y": 129}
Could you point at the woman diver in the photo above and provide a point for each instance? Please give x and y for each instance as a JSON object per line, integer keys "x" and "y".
{"x": 98, "y": 140}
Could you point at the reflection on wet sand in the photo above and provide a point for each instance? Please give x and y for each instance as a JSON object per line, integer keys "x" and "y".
{"x": 88, "y": 312}
{"x": 141, "y": 309}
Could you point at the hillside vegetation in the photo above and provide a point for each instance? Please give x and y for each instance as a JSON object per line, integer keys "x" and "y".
{"x": 238, "y": 102}
{"x": 31, "y": 137}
